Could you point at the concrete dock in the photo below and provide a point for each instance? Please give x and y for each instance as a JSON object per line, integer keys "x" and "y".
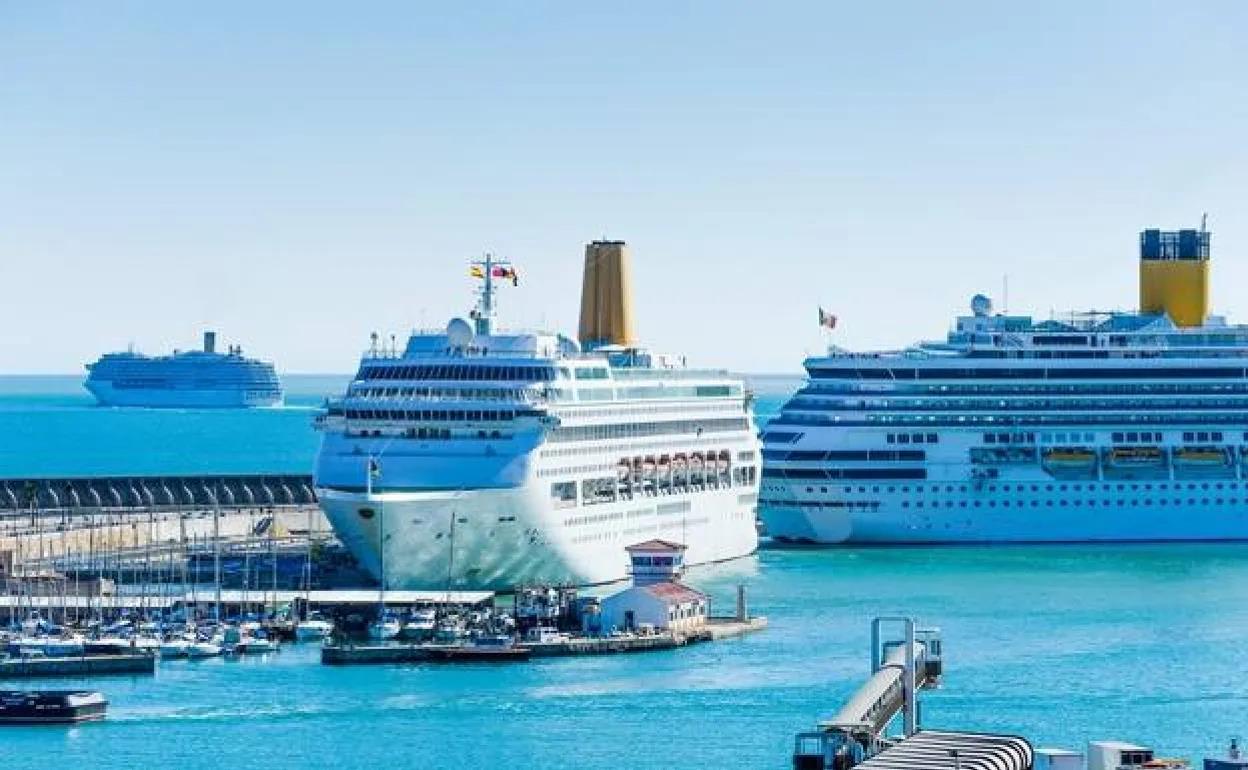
{"x": 85, "y": 665}
{"x": 380, "y": 654}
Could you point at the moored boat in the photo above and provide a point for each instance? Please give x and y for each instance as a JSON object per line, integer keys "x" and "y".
{"x": 483, "y": 648}
{"x": 51, "y": 706}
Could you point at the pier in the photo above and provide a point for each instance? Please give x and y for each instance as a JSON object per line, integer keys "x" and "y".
{"x": 72, "y": 523}
{"x": 715, "y": 629}
{"x": 69, "y": 495}
{"x": 857, "y": 735}
{"x": 77, "y": 665}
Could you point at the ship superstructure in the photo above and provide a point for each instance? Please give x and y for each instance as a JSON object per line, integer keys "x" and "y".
{"x": 190, "y": 379}
{"x": 1087, "y": 427}
{"x": 489, "y": 459}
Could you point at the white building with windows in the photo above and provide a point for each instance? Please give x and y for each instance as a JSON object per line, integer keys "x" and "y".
{"x": 657, "y": 599}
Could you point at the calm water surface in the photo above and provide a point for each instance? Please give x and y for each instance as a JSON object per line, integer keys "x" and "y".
{"x": 1061, "y": 644}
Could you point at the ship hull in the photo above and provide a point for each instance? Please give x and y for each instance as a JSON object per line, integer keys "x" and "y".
{"x": 503, "y": 538}
{"x": 1122, "y": 520}
{"x": 186, "y": 398}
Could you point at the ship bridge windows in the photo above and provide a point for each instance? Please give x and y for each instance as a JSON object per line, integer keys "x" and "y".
{"x": 474, "y": 371}
{"x": 1010, "y": 438}
{"x": 912, "y": 438}
{"x": 1136, "y": 437}
{"x": 874, "y": 455}
{"x": 643, "y": 429}
{"x": 1027, "y": 373}
{"x": 1203, "y": 436}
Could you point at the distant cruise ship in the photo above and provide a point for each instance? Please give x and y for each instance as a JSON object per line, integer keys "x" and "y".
{"x": 482, "y": 459}
{"x": 191, "y": 379}
{"x": 1088, "y": 427}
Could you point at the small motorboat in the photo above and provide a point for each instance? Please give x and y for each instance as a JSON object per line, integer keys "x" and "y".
{"x": 420, "y": 626}
{"x": 204, "y": 650}
{"x": 175, "y": 648}
{"x": 255, "y": 643}
{"x": 314, "y": 629}
{"x": 252, "y": 645}
{"x": 26, "y": 707}
{"x": 384, "y": 628}
{"x": 107, "y": 645}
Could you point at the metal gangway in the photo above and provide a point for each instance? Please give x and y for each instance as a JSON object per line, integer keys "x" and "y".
{"x": 901, "y": 666}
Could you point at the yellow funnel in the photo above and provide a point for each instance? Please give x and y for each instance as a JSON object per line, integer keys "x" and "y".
{"x": 1174, "y": 275}
{"x": 607, "y": 296}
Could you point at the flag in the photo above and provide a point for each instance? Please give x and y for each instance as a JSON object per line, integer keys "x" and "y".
{"x": 826, "y": 320}
{"x": 476, "y": 272}
{"x": 507, "y": 271}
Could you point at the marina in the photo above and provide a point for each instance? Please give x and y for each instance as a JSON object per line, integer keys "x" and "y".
{"x": 744, "y": 699}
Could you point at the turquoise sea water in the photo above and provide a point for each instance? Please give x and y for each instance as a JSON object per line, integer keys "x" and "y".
{"x": 1060, "y": 644}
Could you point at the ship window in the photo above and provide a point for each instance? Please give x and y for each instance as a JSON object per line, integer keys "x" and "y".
{"x": 932, "y": 438}
{"x": 1216, "y": 436}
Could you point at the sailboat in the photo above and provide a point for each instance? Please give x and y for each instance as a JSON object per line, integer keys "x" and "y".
{"x": 386, "y": 626}
{"x": 314, "y": 627}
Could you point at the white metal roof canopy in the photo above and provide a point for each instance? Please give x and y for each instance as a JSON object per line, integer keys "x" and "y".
{"x": 939, "y": 750}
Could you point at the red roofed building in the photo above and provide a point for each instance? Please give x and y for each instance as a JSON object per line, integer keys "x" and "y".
{"x": 657, "y": 600}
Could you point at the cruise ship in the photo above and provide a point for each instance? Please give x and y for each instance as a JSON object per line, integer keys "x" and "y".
{"x": 478, "y": 458}
{"x": 191, "y": 379}
{"x": 1080, "y": 428}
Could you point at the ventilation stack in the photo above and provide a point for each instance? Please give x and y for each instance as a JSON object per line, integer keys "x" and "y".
{"x": 607, "y": 296}
{"x": 1174, "y": 275}
{"x": 210, "y": 342}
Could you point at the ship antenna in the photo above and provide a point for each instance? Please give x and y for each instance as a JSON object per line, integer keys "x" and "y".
{"x": 1204, "y": 221}
{"x": 484, "y": 269}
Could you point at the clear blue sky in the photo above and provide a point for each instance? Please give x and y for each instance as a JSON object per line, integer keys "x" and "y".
{"x": 300, "y": 174}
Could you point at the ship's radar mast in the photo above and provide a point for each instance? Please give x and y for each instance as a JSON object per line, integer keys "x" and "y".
{"x": 486, "y": 270}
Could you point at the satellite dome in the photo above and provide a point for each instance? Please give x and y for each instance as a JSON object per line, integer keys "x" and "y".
{"x": 981, "y": 305}
{"x": 459, "y": 333}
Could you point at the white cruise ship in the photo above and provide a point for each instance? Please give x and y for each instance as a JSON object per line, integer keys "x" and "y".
{"x": 475, "y": 458}
{"x": 1087, "y": 427}
{"x": 190, "y": 379}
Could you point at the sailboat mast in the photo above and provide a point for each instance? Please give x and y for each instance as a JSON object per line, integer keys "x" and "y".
{"x": 216, "y": 554}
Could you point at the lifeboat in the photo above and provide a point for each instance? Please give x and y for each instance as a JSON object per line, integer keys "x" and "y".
{"x": 1070, "y": 457}
{"x": 623, "y": 469}
{"x": 647, "y": 471}
{"x": 1135, "y": 455}
{"x": 1200, "y": 456}
{"x": 697, "y": 468}
{"x": 680, "y": 470}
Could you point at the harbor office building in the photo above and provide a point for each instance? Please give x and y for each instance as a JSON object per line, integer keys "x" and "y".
{"x": 657, "y": 599}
